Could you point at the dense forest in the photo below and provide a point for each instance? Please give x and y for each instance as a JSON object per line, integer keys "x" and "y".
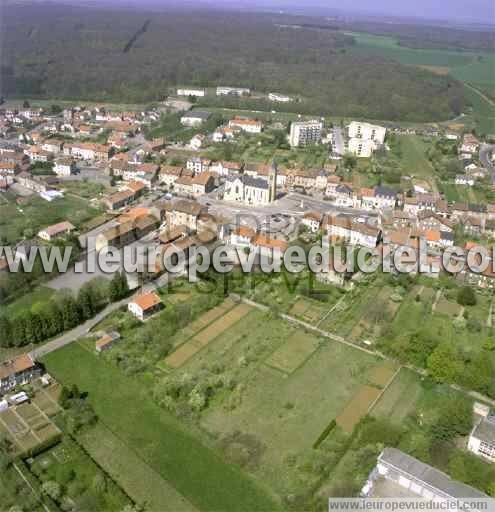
{"x": 56, "y": 51}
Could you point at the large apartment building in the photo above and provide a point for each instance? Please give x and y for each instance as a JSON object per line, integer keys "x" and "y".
{"x": 303, "y": 133}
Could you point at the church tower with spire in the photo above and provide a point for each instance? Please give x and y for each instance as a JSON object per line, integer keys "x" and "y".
{"x": 272, "y": 182}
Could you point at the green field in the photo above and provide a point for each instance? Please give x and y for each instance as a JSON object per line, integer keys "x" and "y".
{"x": 75, "y": 472}
{"x": 142, "y": 483}
{"x": 414, "y": 159}
{"x": 292, "y": 381}
{"x": 17, "y": 222}
{"x": 124, "y": 405}
{"x": 483, "y": 112}
{"x": 475, "y": 68}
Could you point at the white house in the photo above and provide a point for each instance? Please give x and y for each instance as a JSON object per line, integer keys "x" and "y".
{"x": 197, "y": 141}
{"x": 64, "y": 167}
{"x": 362, "y": 148}
{"x": 367, "y": 131}
{"x": 199, "y": 93}
{"x": 246, "y": 125}
{"x": 312, "y": 220}
{"x": 233, "y": 91}
{"x": 464, "y": 179}
{"x": 194, "y": 118}
{"x": 144, "y": 305}
{"x": 60, "y": 229}
{"x": 280, "y": 98}
{"x": 198, "y": 165}
{"x": 482, "y": 439}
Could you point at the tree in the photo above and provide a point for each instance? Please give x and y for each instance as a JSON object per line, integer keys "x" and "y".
{"x": 25, "y": 104}
{"x": 86, "y": 301}
{"x": 118, "y": 287}
{"x": 6, "y": 332}
{"x": 64, "y": 397}
{"x": 455, "y": 418}
{"x": 466, "y": 296}
{"x": 70, "y": 313}
{"x": 445, "y": 363}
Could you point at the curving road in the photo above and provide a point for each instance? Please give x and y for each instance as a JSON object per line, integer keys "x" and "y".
{"x": 486, "y": 151}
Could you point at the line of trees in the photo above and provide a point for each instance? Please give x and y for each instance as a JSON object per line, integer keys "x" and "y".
{"x": 60, "y": 314}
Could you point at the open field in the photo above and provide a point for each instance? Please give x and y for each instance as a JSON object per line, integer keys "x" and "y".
{"x": 206, "y": 328}
{"x": 475, "y": 68}
{"x": 192, "y": 468}
{"x": 414, "y": 159}
{"x": 360, "y": 404}
{"x": 292, "y": 404}
{"x": 139, "y": 480}
{"x": 293, "y": 353}
{"x": 17, "y": 222}
{"x": 400, "y": 398}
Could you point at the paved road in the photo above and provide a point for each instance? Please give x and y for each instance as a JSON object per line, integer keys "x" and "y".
{"x": 338, "y": 146}
{"x": 83, "y": 329}
{"x": 77, "y": 332}
{"x": 486, "y": 151}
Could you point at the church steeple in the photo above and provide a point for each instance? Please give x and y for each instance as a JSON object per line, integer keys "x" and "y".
{"x": 272, "y": 181}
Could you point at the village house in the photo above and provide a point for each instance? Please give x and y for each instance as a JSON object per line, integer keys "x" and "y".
{"x": 224, "y": 168}
{"x": 119, "y": 199}
{"x": 203, "y": 183}
{"x": 269, "y": 247}
{"x": 332, "y": 182}
{"x": 420, "y": 202}
{"x": 64, "y": 167}
{"x": 8, "y": 168}
{"x": 17, "y": 372}
{"x": 184, "y": 212}
{"x": 482, "y": 439}
{"x": 280, "y": 98}
{"x": 223, "y": 133}
{"x": 184, "y": 186}
{"x": 146, "y": 173}
{"x": 117, "y": 236}
{"x": 56, "y": 230}
{"x": 144, "y": 305}
{"x": 90, "y": 151}
{"x": 194, "y": 118}
{"x": 191, "y": 92}
{"x": 36, "y": 154}
{"x": 345, "y": 229}
{"x": 241, "y": 236}
{"x": 400, "y": 473}
{"x": 312, "y": 220}
{"x": 302, "y": 178}
{"x": 470, "y": 144}
{"x": 438, "y": 239}
{"x": 106, "y": 341}
{"x": 343, "y": 196}
{"x": 197, "y": 141}
{"x": 427, "y": 219}
{"x": 464, "y": 180}
{"x": 54, "y": 146}
{"x": 169, "y": 174}
{"x": 246, "y": 125}
{"x": 198, "y": 165}
{"x": 232, "y": 91}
